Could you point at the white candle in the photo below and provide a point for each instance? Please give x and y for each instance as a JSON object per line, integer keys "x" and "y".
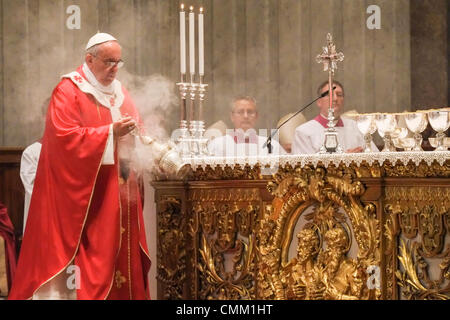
{"x": 201, "y": 53}
{"x": 192, "y": 40}
{"x": 182, "y": 41}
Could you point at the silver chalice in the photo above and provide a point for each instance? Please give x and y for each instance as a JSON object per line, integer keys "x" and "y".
{"x": 439, "y": 121}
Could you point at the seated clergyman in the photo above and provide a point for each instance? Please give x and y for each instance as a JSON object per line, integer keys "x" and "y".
{"x": 287, "y": 129}
{"x": 243, "y": 139}
{"x": 309, "y": 137}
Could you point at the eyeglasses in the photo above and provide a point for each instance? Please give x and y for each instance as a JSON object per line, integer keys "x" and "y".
{"x": 112, "y": 64}
{"x": 339, "y": 95}
{"x": 250, "y": 113}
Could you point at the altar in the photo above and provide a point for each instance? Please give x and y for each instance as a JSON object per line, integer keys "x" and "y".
{"x": 333, "y": 226}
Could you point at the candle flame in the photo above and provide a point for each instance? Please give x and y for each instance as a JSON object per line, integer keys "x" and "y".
{"x": 191, "y": 8}
{"x": 201, "y": 9}
{"x": 182, "y": 7}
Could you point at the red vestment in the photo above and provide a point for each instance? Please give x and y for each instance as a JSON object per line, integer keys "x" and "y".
{"x": 83, "y": 212}
{"x": 7, "y": 233}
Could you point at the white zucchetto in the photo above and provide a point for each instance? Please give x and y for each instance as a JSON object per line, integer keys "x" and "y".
{"x": 99, "y": 38}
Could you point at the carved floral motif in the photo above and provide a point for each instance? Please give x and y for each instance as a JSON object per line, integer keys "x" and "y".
{"x": 356, "y": 216}
{"x": 171, "y": 253}
{"x": 320, "y": 270}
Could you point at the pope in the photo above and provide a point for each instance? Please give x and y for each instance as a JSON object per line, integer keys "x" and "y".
{"x": 85, "y": 236}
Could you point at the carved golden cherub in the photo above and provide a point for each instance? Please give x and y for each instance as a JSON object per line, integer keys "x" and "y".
{"x": 304, "y": 279}
{"x": 340, "y": 274}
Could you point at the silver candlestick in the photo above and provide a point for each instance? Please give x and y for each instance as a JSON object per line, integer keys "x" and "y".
{"x": 202, "y": 142}
{"x": 183, "y": 139}
{"x": 191, "y": 142}
{"x": 193, "y": 126}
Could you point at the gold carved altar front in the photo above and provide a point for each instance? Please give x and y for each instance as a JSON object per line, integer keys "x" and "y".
{"x": 337, "y": 230}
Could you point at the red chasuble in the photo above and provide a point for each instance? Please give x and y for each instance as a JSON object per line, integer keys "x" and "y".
{"x": 7, "y": 233}
{"x": 83, "y": 212}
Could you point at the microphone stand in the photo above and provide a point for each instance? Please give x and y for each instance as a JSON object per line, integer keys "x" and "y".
{"x": 268, "y": 143}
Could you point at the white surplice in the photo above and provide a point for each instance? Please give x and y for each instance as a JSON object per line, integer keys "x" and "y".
{"x": 309, "y": 137}
{"x": 227, "y": 146}
{"x": 28, "y": 167}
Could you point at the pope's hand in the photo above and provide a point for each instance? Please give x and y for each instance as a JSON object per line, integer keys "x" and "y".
{"x": 123, "y": 126}
{"x": 355, "y": 150}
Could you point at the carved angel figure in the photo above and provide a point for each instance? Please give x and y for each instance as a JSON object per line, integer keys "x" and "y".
{"x": 340, "y": 275}
{"x": 304, "y": 280}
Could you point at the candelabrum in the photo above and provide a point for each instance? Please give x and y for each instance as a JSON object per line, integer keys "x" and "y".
{"x": 202, "y": 143}
{"x": 183, "y": 138}
{"x": 191, "y": 141}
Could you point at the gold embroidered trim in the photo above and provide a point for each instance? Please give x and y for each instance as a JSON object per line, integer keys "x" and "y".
{"x": 81, "y": 233}
{"x": 120, "y": 228}
{"x": 129, "y": 239}
{"x": 119, "y": 279}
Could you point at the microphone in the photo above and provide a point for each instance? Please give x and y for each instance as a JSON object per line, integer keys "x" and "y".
{"x": 268, "y": 143}
{"x": 325, "y": 93}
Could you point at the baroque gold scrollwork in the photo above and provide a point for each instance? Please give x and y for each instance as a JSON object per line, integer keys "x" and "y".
{"x": 414, "y": 278}
{"x": 420, "y": 213}
{"x": 246, "y": 219}
{"x": 301, "y": 274}
{"x": 171, "y": 251}
{"x": 268, "y": 276}
{"x": 227, "y": 243}
{"x": 226, "y": 227}
{"x": 431, "y": 230}
{"x": 342, "y": 277}
{"x": 317, "y": 272}
{"x": 234, "y": 172}
{"x": 220, "y": 283}
{"x": 207, "y": 217}
{"x": 409, "y": 222}
{"x": 421, "y": 170}
{"x": 334, "y": 231}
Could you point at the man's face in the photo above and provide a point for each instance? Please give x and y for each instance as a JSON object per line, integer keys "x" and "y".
{"x": 244, "y": 115}
{"x": 338, "y": 101}
{"x": 306, "y": 247}
{"x": 107, "y": 52}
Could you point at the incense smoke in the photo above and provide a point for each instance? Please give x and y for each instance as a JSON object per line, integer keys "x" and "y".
{"x": 155, "y": 98}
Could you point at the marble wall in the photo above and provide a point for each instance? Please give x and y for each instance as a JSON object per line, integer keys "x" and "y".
{"x": 430, "y": 40}
{"x": 264, "y": 48}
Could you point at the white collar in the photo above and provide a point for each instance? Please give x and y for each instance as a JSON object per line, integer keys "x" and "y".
{"x": 94, "y": 82}
{"x": 112, "y": 101}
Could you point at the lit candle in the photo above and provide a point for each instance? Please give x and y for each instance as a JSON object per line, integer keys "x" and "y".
{"x": 192, "y": 40}
{"x": 201, "y": 53}
{"x": 182, "y": 40}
